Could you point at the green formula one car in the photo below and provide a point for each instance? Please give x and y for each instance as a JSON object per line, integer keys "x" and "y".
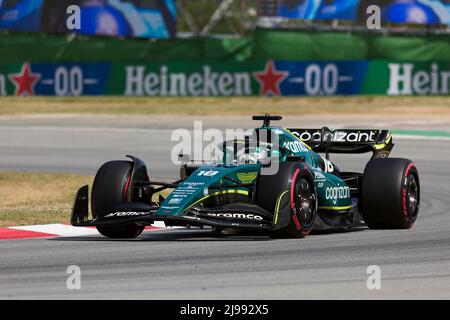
{"x": 274, "y": 180}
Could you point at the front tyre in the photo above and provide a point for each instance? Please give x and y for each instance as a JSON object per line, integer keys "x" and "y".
{"x": 303, "y": 205}
{"x": 390, "y": 193}
{"x": 293, "y": 182}
{"x": 110, "y": 188}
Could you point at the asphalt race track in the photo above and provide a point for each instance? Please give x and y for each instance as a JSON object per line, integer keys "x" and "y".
{"x": 192, "y": 264}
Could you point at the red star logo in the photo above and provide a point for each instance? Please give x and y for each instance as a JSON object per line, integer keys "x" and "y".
{"x": 270, "y": 79}
{"x": 25, "y": 81}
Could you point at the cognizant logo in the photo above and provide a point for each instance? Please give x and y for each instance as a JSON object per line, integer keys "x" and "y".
{"x": 336, "y": 193}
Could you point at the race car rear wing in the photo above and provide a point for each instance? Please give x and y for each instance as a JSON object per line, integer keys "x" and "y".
{"x": 347, "y": 140}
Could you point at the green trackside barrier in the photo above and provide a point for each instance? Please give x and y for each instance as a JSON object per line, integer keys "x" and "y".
{"x": 39, "y": 47}
{"x": 262, "y": 44}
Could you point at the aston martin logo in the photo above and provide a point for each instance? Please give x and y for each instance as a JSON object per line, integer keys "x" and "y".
{"x": 247, "y": 177}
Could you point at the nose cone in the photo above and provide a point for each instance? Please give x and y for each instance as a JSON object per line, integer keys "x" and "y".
{"x": 193, "y": 189}
{"x": 199, "y": 185}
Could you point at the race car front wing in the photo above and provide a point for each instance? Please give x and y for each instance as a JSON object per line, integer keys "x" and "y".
{"x": 246, "y": 216}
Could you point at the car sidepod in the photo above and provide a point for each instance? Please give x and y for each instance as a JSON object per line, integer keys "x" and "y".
{"x": 334, "y": 199}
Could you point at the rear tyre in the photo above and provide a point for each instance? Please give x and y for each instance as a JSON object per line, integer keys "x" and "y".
{"x": 294, "y": 181}
{"x": 390, "y": 193}
{"x": 110, "y": 188}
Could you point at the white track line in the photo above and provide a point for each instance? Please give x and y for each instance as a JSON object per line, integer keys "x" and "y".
{"x": 65, "y": 230}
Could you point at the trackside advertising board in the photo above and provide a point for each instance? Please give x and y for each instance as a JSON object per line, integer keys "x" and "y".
{"x": 265, "y": 78}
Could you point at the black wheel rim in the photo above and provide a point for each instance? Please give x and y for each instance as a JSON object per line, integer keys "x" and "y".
{"x": 305, "y": 202}
{"x": 412, "y": 197}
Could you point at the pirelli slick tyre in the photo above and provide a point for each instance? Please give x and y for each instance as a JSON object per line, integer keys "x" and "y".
{"x": 294, "y": 180}
{"x": 390, "y": 193}
{"x": 109, "y": 189}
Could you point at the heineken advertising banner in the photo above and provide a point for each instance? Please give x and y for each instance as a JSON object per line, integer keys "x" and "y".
{"x": 271, "y": 78}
